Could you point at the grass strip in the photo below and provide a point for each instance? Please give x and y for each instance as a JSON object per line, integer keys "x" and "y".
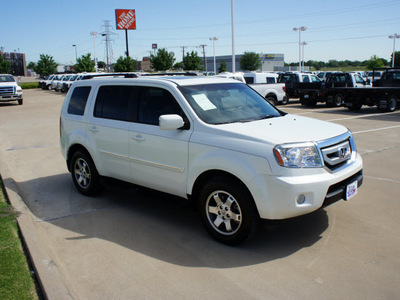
{"x": 28, "y": 85}
{"x": 16, "y": 280}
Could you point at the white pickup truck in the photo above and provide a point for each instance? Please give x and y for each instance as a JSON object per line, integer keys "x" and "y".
{"x": 9, "y": 89}
{"x": 264, "y": 83}
{"x": 214, "y": 141}
{"x": 267, "y": 85}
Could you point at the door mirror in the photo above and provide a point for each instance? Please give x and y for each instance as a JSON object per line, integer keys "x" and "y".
{"x": 171, "y": 122}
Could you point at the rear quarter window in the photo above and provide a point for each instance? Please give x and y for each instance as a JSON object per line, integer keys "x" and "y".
{"x": 77, "y": 102}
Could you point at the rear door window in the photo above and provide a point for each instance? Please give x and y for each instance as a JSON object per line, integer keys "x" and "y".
{"x": 78, "y": 100}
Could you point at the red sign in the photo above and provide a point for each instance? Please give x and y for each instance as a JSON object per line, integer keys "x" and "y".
{"x": 154, "y": 46}
{"x": 125, "y": 18}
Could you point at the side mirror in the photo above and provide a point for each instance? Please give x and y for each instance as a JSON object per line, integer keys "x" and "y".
{"x": 171, "y": 122}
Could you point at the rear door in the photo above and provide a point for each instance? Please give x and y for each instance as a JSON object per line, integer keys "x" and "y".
{"x": 109, "y": 129}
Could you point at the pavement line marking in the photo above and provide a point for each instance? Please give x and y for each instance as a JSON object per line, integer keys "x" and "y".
{"x": 383, "y": 179}
{"x": 376, "y": 129}
{"x": 364, "y": 116}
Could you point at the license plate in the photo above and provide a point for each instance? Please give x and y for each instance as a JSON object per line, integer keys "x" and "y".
{"x": 351, "y": 190}
{"x": 305, "y": 96}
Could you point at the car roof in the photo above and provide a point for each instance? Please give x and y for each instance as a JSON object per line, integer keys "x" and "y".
{"x": 177, "y": 80}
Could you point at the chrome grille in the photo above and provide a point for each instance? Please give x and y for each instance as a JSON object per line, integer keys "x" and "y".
{"x": 336, "y": 155}
{"x": 6, "y": 90}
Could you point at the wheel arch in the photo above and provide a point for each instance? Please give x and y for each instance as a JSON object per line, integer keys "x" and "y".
{"x": 206, "y": 176}
{"x": 73, "y": 149}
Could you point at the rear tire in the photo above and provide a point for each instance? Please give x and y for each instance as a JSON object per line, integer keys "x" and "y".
{"x": 228, "y": 211}
{"x": 84, "y": 174}
{"x": 337, "y": 100}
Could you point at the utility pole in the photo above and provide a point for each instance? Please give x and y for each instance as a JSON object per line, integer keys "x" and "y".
{"x": 107, "y": 32}
{"x": 94, "y": 34}
{"x": 204, "y": 56}
{"x": 394, "y": 37}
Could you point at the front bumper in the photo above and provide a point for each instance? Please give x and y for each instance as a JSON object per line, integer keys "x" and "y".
{"x": 276, "y": 196}
{"x": 10, "y": 97}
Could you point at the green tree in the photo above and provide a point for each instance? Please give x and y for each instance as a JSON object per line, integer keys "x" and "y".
{"x": 250, "y": 61}
{"x": 85, "y": 64}
{"x": 101, "y": 64}
{"x": 163, "y": 60}
{"x": 222, "y": 67}
{"x": 374, "y": 62}
{"x": 5, "y": 65}
{"x": 125, "y": 64}
{"x": 178, "y": 66}
{"x": 396, "y": 59}
{"x": 31, "y": 65}
{"x": 192, "y": 62}
{"x": 46, "y": 65}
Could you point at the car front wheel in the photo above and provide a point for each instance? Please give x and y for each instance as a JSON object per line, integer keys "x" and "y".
{"x": 228, "y": 211}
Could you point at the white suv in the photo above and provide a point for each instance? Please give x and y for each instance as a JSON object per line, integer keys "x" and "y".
{"x": 212, "y": 140}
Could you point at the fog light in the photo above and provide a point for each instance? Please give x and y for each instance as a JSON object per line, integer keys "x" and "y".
{"x": 300, "y": 199}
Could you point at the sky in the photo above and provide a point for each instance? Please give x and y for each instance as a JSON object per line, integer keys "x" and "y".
{"x": 353, "y": 30}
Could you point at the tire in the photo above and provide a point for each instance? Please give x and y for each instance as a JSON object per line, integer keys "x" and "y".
{"x": 284, "y": 101}
{"x": 355, "y": 106}
{"x": 337, "y": 100}
{"x": 228, "y": 211}
{"x": 390, "y": 104}
{"x": 20, "y": 101}
{"x": 84, "y": 174}
{"x": 272, "y": 99}
{"x": 329, "y": 101}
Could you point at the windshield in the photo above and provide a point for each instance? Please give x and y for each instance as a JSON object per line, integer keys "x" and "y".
{"x": 6, "y": 78}
{"x": 228, "y": 103}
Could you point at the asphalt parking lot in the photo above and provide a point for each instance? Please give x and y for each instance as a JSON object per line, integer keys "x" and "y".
{"x": 129, "y": 243}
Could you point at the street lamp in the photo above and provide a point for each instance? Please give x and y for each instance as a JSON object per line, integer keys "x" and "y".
{"x": 394, "y": 37}
{"x": 215, "y": 64}
{"x": 299, "y": 29}
{"x": 302, "y": 59}
{"x": 94, "y": 34}
{"x": 76, "y": 54}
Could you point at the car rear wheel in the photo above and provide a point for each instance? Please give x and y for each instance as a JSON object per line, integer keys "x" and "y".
{"x": 228, "y": 211}
{"x": 84, "y": 174}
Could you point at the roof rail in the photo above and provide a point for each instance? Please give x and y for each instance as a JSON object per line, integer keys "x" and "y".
{"x": 125, "y": 75}
{"x": 172, "y": 74}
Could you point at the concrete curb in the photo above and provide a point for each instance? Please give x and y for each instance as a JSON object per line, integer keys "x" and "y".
{"x": 43, "y": 261}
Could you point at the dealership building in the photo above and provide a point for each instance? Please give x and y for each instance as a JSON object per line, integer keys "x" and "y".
{"x": 269, "y": 62}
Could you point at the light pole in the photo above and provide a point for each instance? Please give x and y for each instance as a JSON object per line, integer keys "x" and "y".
{"x": 94, "y": 34}
{"x": 299, "y": 29}
{"x": 302, "y": 58}
{"x": 76, "y": 53}
{"x": 215, "y": 64}
{"x": 233, "y": 36}
{"x": 394, "y": 37}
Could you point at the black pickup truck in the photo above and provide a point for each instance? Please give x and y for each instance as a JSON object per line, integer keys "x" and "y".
{"x": 353, "y": 91}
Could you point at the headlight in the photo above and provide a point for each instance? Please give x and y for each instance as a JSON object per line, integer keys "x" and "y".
{"x": 304, "y": 155}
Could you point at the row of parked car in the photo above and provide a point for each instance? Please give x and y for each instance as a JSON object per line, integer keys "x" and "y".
{"x": 61, "y": 82}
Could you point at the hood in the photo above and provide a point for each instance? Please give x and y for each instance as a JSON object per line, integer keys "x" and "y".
{"x": 285, "y": 129}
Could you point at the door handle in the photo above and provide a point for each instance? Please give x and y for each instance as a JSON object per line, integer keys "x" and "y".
{"x": 138, "y": 137}
{"x": 94, "y": 129}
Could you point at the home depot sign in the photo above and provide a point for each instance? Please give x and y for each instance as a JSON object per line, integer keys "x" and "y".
{"x": 125, "y": 18}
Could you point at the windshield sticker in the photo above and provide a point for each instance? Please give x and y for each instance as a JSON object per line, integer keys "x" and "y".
{"x": 204, "y": 102}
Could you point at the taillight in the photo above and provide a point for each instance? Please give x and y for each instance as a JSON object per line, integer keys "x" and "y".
{"x": 284, "y": 88}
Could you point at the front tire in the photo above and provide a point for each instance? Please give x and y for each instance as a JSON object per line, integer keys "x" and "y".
{"x": 84, "y": 174}
{"x": 228, "y": 211}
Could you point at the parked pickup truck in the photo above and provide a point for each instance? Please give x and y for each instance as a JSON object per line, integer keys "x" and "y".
{"x": 267, "y": 85}
{"x": 213, "y": 141}
{"x": 329, "y": 91}
{"x": 295, "y": 80}
{"x": 384, "y": 93}
{"x": 10, "y": 90}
